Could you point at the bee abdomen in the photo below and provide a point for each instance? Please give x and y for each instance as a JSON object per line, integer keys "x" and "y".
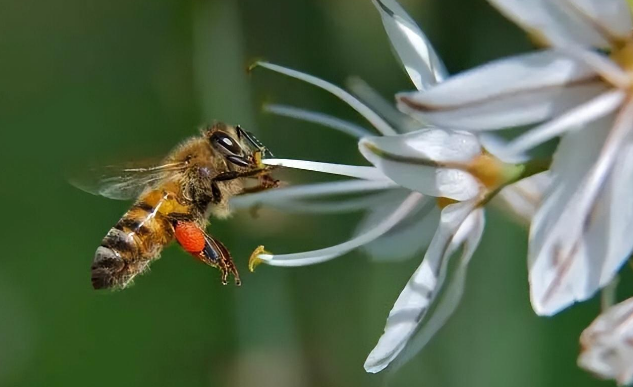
{"x": 120, "y": 242}
{"x": 106, "y": 268}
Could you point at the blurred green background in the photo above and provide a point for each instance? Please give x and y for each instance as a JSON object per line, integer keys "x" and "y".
{"x": 101, "y": 80}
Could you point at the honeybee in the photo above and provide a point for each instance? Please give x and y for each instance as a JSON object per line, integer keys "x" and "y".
{"x": 174, "y": 200}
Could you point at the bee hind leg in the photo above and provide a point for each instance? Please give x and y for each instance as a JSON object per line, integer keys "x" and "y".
{"x": 206, "y": 249}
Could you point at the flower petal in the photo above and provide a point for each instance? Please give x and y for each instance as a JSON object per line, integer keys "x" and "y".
{"x": 611, "y": 18}
{"x": 555, "y": 22}
{"x": 409, "y": 237}
{"x": 524, "y": 197}
{"x": 380, "y": 105}
{"x": 471, "y": 232}
{"x": 359, "y": 172}
{"x": 318, "y": 118}
{"x": 570, "y": 253}
{"x": 423, "y": 287}
{"x": 326, "y": 254}
{"x": 594, "y": 109}
{"x": 510, "y": 111}
{"x": 413, "y": 48}
{"x": 601, "y": 64}
{"x": 607, "y": 344}
{"x": 503, "y": 78}
{"x": 416, "y": 161}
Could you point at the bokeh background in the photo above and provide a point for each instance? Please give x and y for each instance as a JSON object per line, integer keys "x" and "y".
{"x": 89, "y": 80}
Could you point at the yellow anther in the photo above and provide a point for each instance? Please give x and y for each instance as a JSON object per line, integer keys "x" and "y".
{"x": 443, "y": 202}
{"x": 489, "y": 170}
{"x": 624, "y": 57}
{"x": 255, "y": 260}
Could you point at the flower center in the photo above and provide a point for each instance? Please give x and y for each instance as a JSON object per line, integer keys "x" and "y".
{"x": 489, "y": 170}
{"x": 443, "y": 202}
{"x": 624, "y": 57}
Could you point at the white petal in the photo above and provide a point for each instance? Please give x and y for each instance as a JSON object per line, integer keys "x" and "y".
{"x": 381, "y": 125}
{"x": 449, "y": 299}
{"x": 497, "y": 145}
{"x": 409, "y": 237}
{"x": 377, "y": 103}
{"x": 422, "y": 289}
{"x": 553, "y": 22}
{"x": 568, "y": 254}
{"x": 612, "y": 18}
{"x": 618, "y": 231}
{"x": 607, "y": 344}
{"x": 306, "y": 191}
{"x": 318, "y": 118}
{"x": 519, "y": 109}
{"x": 414, "y": 49}
{"x": 414, "y": 160}
{"x": 326, "y": 254}
{"x": 523, "y": 198}
{"x": 601, "y": 64}
{"x": 503, "y": 78}
{"x": 596, "y": 108}
{"x": 359, "y": 172}
{"x": 511, "y": 111}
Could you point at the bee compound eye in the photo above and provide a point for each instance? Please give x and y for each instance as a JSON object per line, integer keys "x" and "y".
{"x": 226, "y": 144}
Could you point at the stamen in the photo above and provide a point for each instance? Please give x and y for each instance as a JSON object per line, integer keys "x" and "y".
{"x": 318, "y": 118}
{"x": 307, "y": 191}
{"x": 359, "y": 172}
{"x": 381, "y": 125}
{"x": 323, "y": 255}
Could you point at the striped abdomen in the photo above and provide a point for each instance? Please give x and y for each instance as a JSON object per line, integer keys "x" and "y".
{"x": 137, "y": 238}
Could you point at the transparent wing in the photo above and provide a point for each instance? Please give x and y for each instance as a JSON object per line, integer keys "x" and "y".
{"x": 123, "y": 182}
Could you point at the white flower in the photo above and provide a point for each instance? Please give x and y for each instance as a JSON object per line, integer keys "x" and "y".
{"x": 450, "y": 165}
{"x": 607, "y": 344}
{"x": 580, "y": 235}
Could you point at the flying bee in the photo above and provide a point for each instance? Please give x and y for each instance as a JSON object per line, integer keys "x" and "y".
{"x": 174, "y": 200}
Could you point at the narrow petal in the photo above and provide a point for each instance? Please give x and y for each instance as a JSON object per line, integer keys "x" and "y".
{"x": 318, "y": 118}
{"x": 416, "y": 161}
{"x": 569, "y": 249}
{"x": 524, "y": 197}
{"x": 607, "y": 344}
{"x": 307, "y": 191}
{"x": 381, "y": 125}
{"x": 503, "y": 78}
{"x": 611, "y": 18}
{"x": 408, "y": 238}
{"x": 422, "y": 289}
{"x": 601, "y": 64}
{"x": 413, "y": 48}
{"x": 514, "y": 110}
{"x": 377, "y": 103}
{"x": 555, "y": 22}
{"x": 359, "y": 172}
{"x": 323, "y": 255}
{"x": 594, "y": 109}
{"x": 449, "y": 299}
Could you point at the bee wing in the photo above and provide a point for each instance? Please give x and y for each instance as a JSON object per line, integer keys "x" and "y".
{"x": 123, "y": 182}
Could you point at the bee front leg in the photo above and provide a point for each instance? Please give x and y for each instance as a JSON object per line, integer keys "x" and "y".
{"x": 206, "y": 249}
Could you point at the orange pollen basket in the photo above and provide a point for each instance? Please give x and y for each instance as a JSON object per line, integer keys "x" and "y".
{"x": 190, "y": 237}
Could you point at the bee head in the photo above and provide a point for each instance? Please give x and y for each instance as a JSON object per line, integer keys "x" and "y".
{"x": 235, "y": 144}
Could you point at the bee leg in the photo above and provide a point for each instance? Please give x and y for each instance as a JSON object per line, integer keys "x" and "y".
{"x": 216, "y": 194}
{"x": 231, "y": 175}
{"x": 206, "y": 249}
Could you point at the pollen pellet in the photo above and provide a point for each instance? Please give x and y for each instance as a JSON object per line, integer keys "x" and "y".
{"x": 190, "y": 237}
